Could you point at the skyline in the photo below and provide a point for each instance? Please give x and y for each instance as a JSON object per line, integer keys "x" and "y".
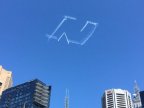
{"x": 136, "y": 89}
{"x": 112, "y": 57}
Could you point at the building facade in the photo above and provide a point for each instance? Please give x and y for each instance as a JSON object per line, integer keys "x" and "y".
{"x": 116, "y": 98}
{"x": 142, "y": 99}
{"x": 136, "y": 97}
{"x": 32, "y": 94}
{"x": 5, "y": 79}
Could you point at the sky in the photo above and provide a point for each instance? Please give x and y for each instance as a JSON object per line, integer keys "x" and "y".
{"x": 112, "y": 58}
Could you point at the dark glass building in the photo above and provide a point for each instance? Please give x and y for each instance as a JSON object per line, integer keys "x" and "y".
{"x": 142, "y": 98}
{"x": 32, "y": 94}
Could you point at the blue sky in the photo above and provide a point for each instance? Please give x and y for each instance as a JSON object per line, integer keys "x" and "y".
{"x": 112, "y": 58}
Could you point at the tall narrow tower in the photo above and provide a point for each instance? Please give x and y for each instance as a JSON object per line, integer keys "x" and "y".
{"x": 67, "y": 99}
{"x": 5, "y": 79}
{"x": 136, "y": 96}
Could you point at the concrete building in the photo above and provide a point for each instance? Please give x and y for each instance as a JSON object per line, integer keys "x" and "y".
{"x": 5, "y": 79}
{"x": 32, "y": 94}
{"x": 116, "y": 98}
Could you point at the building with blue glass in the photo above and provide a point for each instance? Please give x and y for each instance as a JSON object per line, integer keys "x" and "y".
{"x": 32, "y": 94}
{"x": 142, "y": 98}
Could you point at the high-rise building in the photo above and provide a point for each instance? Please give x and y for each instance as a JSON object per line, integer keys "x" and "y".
{"x": 136, "y": 96}
{"x": 142, "y": 99}
{"x": 32, "y": 94}
{"x": 5, "y": 79}
{"x": 116, "y": 98}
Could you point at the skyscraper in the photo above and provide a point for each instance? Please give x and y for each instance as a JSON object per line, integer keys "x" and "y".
{"x": 136, "y": 96}
{"x": 142, "y": 99}
{"x": 5, "y": 79}
{"x": 32, "y": 94}
{"x": 116, "y": 98}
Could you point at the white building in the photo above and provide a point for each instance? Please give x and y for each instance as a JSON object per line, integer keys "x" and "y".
{"x": 5, "y": 79}
{"x": 136, "y": 97}
{"x": 117, "y": 98}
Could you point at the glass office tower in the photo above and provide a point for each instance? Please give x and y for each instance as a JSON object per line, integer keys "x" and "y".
{"x": 142, "y": 98}
{"x": 32, "y": 94}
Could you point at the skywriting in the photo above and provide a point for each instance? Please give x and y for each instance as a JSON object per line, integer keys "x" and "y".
{"x": 64, "y": 34}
